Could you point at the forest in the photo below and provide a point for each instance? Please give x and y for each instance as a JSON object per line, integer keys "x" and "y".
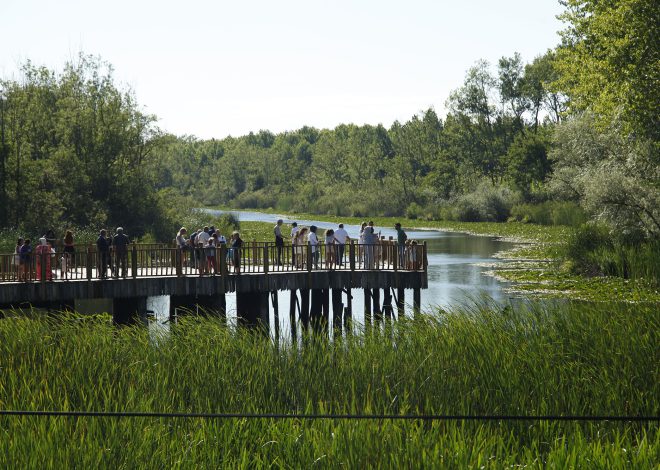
{"x": 568, "y": 138}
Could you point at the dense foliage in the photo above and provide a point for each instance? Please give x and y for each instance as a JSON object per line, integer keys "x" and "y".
{"x": 74, "y": 150}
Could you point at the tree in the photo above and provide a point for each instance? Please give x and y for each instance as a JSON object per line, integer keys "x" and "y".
{"x": 512, "y": 85}
{"x": 609, "y": 62}
{"x": 613, "y": 177}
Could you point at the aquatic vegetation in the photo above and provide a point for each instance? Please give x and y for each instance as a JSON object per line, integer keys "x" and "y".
{"x": 536, "y": 359}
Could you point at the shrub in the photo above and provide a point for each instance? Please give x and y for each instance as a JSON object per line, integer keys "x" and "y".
{"x": 593, "y": 250}
{"x": 550, "y": 213}
{"x": 413, "y": 211}
{"x": 486, "y": 204}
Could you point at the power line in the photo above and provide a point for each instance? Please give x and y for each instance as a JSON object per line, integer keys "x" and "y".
{"x": 311, "y": 416}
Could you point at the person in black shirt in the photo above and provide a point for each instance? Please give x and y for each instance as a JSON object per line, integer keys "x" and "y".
{"x": 103, "y": 249}
{"x": 120, "y": 244}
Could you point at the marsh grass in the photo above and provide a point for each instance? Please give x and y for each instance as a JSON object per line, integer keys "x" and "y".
{"x": 537, "y": 359}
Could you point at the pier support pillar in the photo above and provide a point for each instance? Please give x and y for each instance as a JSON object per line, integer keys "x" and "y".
{"x": 252, "y": 309}
{"x": 417, "y": 299}
{"x": 128, "y": 311}
{"x": 337, "y": 309}
{"x": 367, "y": 306}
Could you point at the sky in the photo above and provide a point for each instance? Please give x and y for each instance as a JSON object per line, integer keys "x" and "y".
{"x": 217, "y": 68}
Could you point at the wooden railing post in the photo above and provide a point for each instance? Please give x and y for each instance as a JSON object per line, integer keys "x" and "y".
{"x": 178, "y": 262}
{"x": 89, "y": 262}
{"x": 255, "y": 255}
{"x": 42, "y": 267}
{"x": 134, "y": 262}
{"x": 351, "y": 255}
{"x": 395, "y": 256}
{"x": 223, "y": 259}
{"x": 425, "y": 259}
{"x": 265, "y": 258}
{"x": 309, "y": 256}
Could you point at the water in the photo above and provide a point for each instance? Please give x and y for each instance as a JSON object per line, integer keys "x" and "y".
{"x": 457, "y": 263}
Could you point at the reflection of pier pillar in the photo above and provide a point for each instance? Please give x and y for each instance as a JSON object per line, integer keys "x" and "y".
{"x": 202, "y": 304}
{"x": 292, "y": 312}
{"x": 401, "y": 302}
{"x": 316, "y": 310}
{"x": 252, "y": 308}
{"x": 387, "y": 303}
{"x": 276, "y": 314}
{"x": 348, "y": 313}
{"x": 127, "y": 311}
{"x": 376, "y": 301}
{"x": 337, "y": 309}
{"x": 304, "y": 307}
{"x": 211, "y": 304}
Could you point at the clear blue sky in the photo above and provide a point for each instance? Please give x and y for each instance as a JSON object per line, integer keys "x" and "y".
{"x": 215, "y": 68}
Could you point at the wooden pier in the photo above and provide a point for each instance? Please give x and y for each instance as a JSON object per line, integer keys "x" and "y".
{"x": 203, "y": 277}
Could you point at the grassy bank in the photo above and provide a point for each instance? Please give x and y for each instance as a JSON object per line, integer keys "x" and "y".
{"x": 570, "y": 359}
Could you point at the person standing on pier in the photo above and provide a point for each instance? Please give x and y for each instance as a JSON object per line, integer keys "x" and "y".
{"x": 120, "y": 244}
{"x": 69, "y": 252}
{"x": 202, "y": 242}
{"x": 313, "y": 242}
{"x": 42, "y": 253}
{"x": 103, "y": 249}
{"x": 294, "y": 240}
{"x": 401, "y": 238}
{"x": 235, "y": 251}
{"x": 279, "y": 240}
{"x": 341, "y": 236}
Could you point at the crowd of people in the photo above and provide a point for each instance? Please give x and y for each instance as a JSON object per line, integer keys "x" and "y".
{"x": 199, "y": 250}
{"x": 41, "y": 262}
{"x": 335, "y": 241}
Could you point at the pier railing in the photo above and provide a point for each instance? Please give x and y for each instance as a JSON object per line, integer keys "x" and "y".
{"x": 253, "y": 257}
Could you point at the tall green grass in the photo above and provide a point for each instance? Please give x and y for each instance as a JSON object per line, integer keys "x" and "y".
{"x": 593, "y": 249}
{"x": 537, "y": 359}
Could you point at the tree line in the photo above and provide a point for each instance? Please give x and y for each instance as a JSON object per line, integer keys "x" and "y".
{"x": 577, "y": 126}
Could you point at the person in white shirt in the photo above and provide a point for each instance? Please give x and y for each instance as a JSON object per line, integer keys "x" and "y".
{"x": 342, "y": 237}
{"x": 202, "y": 241}
{"x": 294, "y": 236}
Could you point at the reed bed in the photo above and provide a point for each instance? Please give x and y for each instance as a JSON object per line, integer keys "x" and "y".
{"x": 536, "y": 359}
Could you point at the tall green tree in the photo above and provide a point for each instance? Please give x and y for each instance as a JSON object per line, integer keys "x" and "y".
{"x": 609, "y": 62}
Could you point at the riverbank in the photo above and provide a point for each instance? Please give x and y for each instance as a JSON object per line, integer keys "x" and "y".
{"x": 535, "y": 265}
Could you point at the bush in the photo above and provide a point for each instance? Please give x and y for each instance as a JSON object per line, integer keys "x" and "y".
{"x": 486, "y": 204}
{"x": 414, "y": 211}
{"x": 255, "y": 200}
{"x": 550, "y": 213}
{"x": 593, "y": 250}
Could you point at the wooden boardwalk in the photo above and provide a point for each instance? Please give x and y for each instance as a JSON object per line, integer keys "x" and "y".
{"x": 257, "y": 267}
